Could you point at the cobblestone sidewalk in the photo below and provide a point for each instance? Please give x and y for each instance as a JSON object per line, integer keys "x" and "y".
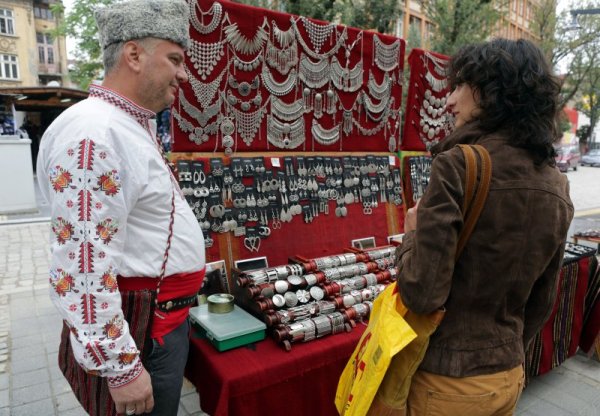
{"x": 30, "y": 382}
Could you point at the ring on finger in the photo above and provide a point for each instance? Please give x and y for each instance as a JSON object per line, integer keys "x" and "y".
{"x": 130, "y": 412}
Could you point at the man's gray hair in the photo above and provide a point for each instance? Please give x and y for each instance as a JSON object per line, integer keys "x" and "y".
{"x": 112, "y": 54}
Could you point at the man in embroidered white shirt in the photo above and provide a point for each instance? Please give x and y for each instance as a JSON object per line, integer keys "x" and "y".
{"x": 120, "y": 225}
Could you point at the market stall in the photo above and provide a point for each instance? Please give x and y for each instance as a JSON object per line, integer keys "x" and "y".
{"x": 288, "y": 148}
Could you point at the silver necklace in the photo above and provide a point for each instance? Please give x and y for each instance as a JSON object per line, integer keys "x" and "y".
{"x": 286, "y": 112}
{"x": 341, "y": 38}
{"x": 379, "y": 91}
{"x": 382, "y": 120}
{"x": 282, "y": 59}
{"x": 436, "y": 77}
{"x": 278, "y": 88}
{"x": 244, "y": 88}
{"x": 284, "y": 37}
{"x": 205, "y": 92}
{"x": 197, "y": 135}
{"x": 205, "y": 56}
{"x": 247, "y": 122}
{"x": 314, "y": 74}
{"x": 216, "y": 11}
{"x": 244, "y": 105}
{"x": 201, "y": 116}
{"x": 375, "y": 108}
{"x": 241, "y": 43}
{"x": 386, "y": 57}
{"x": 345, "y": 79}
{"x": 285, "y": 135}
{"x": 324, "y": 136}
{"x": 317, "y": 34}
{"x": 251, "y": 65}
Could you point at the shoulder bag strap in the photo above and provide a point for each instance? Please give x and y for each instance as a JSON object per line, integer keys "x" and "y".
{"x": 475, "y": 192}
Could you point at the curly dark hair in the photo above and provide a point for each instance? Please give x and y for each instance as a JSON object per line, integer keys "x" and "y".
{"x": 517, "y": 94}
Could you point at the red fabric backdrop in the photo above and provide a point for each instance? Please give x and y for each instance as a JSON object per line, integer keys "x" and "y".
{"x": 242, "y": 26}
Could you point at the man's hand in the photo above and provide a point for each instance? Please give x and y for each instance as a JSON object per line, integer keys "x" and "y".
{"x": 410, "y": 221}
{"x": 135, "y": 397}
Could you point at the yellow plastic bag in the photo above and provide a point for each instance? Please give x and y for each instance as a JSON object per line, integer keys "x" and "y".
{"x": 386, "y": 334}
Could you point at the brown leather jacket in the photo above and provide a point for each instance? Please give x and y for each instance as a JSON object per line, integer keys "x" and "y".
{"x": 502, "y": 288}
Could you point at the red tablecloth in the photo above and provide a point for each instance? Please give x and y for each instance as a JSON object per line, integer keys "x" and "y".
{"x": 264, "y": 379}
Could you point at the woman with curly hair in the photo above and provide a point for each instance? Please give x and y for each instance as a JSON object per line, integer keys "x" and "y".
{"x": 501, "y": 290}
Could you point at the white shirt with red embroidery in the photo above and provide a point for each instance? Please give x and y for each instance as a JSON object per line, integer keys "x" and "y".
{"x": 110, "y": 192}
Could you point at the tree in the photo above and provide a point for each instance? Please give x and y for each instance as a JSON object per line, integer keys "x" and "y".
{"x": 566, "y": 48}
{"x": 80, "y": 25}
{"x": 459, "y": 22}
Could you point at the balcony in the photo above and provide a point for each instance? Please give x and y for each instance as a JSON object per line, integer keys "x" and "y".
{"x": 49, "y": 69}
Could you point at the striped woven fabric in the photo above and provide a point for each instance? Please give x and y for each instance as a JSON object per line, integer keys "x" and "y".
{"x": 91, "y": 390}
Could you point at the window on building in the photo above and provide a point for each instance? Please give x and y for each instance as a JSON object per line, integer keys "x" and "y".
{"x": 9, "y": 67}
{"x": 41, "y": 12}
{"x": 45, "y": 48}
{"x": 7, "y": 22}
{"x": 414, "y": 30}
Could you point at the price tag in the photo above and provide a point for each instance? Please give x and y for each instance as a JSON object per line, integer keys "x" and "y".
{"x": 392, "y": 160}
{"x": 275, "y": 162}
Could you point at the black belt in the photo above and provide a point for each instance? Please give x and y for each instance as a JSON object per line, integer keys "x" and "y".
{"x": 175, "y": 304}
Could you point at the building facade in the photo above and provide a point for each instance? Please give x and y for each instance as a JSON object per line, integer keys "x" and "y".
{"x": 29, "y": 55}
{"x": 515, "y": 21}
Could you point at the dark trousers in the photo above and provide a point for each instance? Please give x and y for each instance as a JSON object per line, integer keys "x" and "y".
{"x": 166, "y": 364}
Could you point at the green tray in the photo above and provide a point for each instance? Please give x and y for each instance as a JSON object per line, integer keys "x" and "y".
{"x": 227, "y": 330}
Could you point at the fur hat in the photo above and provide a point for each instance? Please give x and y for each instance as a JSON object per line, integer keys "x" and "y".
{"x": 137, "y": 19}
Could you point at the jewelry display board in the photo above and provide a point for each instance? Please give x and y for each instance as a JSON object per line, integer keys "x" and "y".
{"x": 416, "y": 174}
{"x": 264, "y": 80}
{"x": 427, "y": 121}
{"x": 312, "y": 204}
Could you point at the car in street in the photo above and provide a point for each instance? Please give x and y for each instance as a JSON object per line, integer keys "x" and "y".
{"x": 567, "y": 158}
{"x": 592, "y": 158}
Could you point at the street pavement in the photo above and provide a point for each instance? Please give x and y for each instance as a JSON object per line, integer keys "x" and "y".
{"x": 31, "y": 383}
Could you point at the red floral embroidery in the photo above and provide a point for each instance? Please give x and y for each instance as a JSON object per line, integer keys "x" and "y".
{"x": 102, "y": 254}
{"x": 109, "y": 183}
{"x": 104, "y": 305}
{"x": 126, "y": 358}
{"x": 61, "y": 281}
{"x": 112, "y": 345}
{"x": 63, "y": 230}
{"x": 109, "y": 281}
{"x": 70, "y": 204}
{"x": 60, "y": 178}
{"x": 73, "y": 307}
{"x": 113, "y": 328}
{"x": 98, "y": 205}
{"x": 70, "y": 152}
{"x": 106, "y": 230}
{"x": 102, "y": 155}
{"x": 71, "y": 255}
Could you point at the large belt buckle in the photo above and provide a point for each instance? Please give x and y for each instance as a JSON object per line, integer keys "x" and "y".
{"x": 169, "y": 305}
